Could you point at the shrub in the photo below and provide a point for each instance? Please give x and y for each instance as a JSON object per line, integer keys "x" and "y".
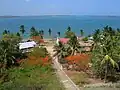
{"x": 32, "y": 78}
{"x": 39, "y": 52}
{"x": 85, "y": 39}
{"x": 39, "y": 56}
{"x": 80, "y": 79}
{"x": 80, "y": 61}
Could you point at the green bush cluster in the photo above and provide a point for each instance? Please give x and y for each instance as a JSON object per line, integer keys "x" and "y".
{"x": 23, "y": 77}
{"x": 106, "y": 54}
{"x": 32, "y": 78}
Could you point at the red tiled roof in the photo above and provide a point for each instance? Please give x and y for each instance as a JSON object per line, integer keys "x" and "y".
{"x": 64, "y": 40}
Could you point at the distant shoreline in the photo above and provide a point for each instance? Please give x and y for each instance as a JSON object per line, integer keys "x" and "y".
{"x": 59, "y": 15}
{"x": 8, "y": 16}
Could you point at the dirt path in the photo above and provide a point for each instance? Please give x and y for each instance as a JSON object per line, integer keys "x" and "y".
{"x": 67, "y": 82}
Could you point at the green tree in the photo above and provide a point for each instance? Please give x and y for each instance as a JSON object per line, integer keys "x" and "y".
{"x": 61, "y": 51}
{"x": 33, "y": 32}
{"x": 107, "y": 52}
{"x": 96, "y": 38}
{"x": 96, "y": 35}
{"x": 69, "y": 33}
{"x": 13, "y": 38}
{"x": 74, "y": 45}
{"x": 18, "y": 34}
{"x": 85, "y": 39}
{"x": 8, "y": 32}
{"x": 5, "y": 32}
{"x": 50, "y": 32}
{"x": 81, "y": 33}
{"x": 69, "y": 28}
{"x": 5, "y": 54}
{"x": 58, "y": 34}
{"x": 108, "y": 60}
{"x": 42, "y": 32}
{"x": 22, "y": 29}
{"x": 118, "y": 30}
{"x": 8, "y": 52}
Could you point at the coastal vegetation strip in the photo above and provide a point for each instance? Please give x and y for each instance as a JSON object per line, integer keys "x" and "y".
{"x": 100, "y": 63}
{"x": 25, "y": 70}
{"x": 103, "y": 61}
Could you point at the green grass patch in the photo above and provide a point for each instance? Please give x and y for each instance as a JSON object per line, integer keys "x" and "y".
{"x": 32, "y": 78}
{"x": 80, "y": 79}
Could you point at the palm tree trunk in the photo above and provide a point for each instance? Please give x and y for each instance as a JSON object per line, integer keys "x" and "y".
{"x": 93, "y": 47}
{"x": 106, "y": 72}
{"x": 73, "y": 51}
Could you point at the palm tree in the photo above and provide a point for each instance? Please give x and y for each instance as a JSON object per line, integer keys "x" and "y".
{"x": 81, "y": 32}
{"x": 96, "y": 35}
{"x": 34, "y": 32}
{"x": 61, "y": 51}
{"x": 49, "y": 31}
{"x": 58, "y": 34}
{"x": 74, "y": 45}
{"x": 18, "y": 34}
{"x": 108, "y": 30}
{"x": 5, "y": 32}
{"x": 106, "y": 47}
{"x": 96, "y": 38}
{"x": 8, "y": 50}
{"x": 69, "y": 28}
{"x": 22, "y": 29}
{"x": 69, "y": 33}
{"x": 32, "y": 29}
{"x": 118, "y": 30}
{"x": 8, "y": 32}
{"x": 42, "y": 32}
{"x": 108, "y": 60}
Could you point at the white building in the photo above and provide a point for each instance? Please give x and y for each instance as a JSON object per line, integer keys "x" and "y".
{"x": 27, "y": 45}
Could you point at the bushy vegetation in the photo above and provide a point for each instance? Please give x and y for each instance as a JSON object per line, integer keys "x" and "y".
{"x": 78, "y": 62}
{"x": 22, "y": 29}
{"x": 80, "y": 79}
{"x": 69, "y": 33}
{"x": 34, "y": 72}
{"x": 85, "y": 39}
{"x": 38, "y": 56}
{"x": 71, "y": 48}
{"x": 106, "y": 53}
{"x": 81, "y": 33}
{"x": 39, "y": 52}
{"x": 61, "y": 51}
{"x": 32, "y": 78}
{"x": 9, "y": 52}
{"x": 34, "y": 32}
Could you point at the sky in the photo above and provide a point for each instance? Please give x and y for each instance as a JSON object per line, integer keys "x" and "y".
{"x": 59, "y": 7}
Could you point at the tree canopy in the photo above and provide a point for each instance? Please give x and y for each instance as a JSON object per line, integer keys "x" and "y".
{"x": 34, "y": 32}
{"x": 69, "y": 33}
{"x": 106, "y": 49}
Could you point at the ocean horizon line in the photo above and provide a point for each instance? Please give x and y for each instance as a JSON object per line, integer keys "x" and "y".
{"x": 58, "y": 15}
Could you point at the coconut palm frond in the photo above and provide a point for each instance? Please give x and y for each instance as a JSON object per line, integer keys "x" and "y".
{"x": 114, "y": 64}
{"x": 103, "y": 61}
{"x": 107, "y": 58}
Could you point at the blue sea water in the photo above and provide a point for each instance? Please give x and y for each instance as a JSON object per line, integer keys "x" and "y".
{"x": 59, "y": 23}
